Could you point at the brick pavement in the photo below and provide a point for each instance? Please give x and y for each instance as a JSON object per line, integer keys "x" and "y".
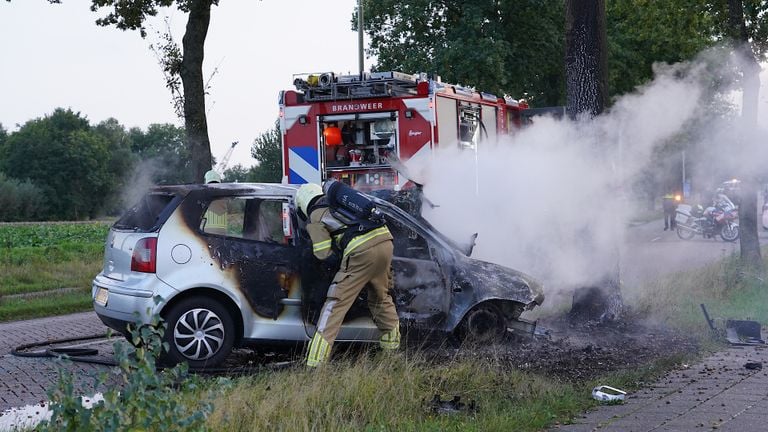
{"x": 25, "y": 380}
{"x": 717, "y": 394}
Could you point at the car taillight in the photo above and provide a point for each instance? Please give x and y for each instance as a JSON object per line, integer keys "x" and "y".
{"x": 144, "y": 257}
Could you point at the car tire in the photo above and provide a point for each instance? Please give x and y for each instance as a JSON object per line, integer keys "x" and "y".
{"x": 484, "y": 323}
{"x": 200, "y": 332}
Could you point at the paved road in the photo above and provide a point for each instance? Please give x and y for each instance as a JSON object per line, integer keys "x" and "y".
{"x": 24, "y": 380}
{"x": 717, "y": 394}
{"x": 650, "y": 251}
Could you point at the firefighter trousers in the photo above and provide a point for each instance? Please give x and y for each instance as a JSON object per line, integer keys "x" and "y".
{"x": 371, "y": 267}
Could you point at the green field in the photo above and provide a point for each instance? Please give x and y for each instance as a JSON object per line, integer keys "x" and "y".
{"x": 47, "y": 268}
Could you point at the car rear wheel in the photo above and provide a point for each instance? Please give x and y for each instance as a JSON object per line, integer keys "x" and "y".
{"x": 200, "y": 332}
{"x": 482, "y": 324}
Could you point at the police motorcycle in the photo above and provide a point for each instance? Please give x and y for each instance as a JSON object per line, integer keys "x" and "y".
{"x": 722, "y": 218}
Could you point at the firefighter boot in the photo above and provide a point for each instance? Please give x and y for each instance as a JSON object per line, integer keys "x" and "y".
{"x": 390, "y": 340}
{"x": 319, "y": 351}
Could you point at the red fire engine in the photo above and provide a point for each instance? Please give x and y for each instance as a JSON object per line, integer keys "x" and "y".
{"x": 348, "y": 126}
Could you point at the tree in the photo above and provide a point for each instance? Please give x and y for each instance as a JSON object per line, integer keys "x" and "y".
{"x": 164, "y": 157}
{"x": 131, "y": 16}
{"x": 737, "y": 31}
{"x": 62, "y": 156}
{"x": 516, "y": 44}
{"x": 266, "y": 149}
{"x": 237, "y": 174}
{"x": 120, "y": 163}
{"x": 586, "y": 53}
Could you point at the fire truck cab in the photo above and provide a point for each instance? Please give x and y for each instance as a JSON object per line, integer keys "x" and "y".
{"x": 349, "y": 127}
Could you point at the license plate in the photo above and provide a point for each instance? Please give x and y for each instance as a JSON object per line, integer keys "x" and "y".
{"x": 101, "y": 296}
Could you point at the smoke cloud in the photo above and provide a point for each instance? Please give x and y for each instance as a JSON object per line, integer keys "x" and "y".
{"x": 554, "y": 199}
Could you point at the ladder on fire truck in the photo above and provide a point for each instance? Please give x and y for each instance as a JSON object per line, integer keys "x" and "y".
{"x": 328, "y": 86}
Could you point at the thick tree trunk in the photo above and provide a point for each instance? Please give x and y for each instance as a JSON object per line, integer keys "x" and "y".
{"x": 191, "y": 73}
{"x": 749, "y": 244}
{"x": 585, "y": 57}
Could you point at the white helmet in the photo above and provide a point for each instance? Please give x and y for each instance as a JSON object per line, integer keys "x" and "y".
{"x": 305, "y": 194}
{"x": 212, "y": 177}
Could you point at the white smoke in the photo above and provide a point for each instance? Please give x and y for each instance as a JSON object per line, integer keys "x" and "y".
{"x": 552, "y": 200}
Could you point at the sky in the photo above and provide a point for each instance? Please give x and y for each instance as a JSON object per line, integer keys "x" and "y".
{"x": 56, "y": 56}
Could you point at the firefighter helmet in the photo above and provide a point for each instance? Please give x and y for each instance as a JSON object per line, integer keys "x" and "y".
{"x": 306, "y": 193}
{"x": 212, "y": 177}
{"x": 332, "y": 136}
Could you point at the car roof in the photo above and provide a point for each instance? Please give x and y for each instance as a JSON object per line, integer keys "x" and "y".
{"x": 269, "y": 189}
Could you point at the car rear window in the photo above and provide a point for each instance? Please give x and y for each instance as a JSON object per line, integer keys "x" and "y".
{"x": 148, "y": 214}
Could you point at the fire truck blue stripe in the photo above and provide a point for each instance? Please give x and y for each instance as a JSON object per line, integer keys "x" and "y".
{"x": 309, "y": 154}
{"x": 300, "y": 170}
{"x": 294, "y": 178}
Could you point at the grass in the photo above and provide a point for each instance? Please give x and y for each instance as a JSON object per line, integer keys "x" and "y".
{"x": 37, "y": 260}
{"x": 723, "y": 287}
{"x": 382, "y": 393}
{"x": 393, "y": 393}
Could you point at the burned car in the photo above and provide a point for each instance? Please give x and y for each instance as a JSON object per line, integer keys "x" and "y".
{"x": 228, "y": 265}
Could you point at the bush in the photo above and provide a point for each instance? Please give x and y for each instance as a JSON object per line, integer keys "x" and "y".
{"x": 20, "y": 201}
{"x": 146, "y": 400}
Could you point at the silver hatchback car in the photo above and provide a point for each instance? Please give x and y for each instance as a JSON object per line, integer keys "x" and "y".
{"x": 227, "y": 265}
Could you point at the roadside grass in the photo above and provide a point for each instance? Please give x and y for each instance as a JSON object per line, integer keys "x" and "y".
{"x": 724, "y": 289}
{"x": 47, "y": 268}
{"x": 393, "y": 393}
{"x": 388, "y": 393}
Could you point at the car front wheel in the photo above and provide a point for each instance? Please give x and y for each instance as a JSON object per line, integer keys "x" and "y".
{"x": 485, "y": 323}
{"x": 200, "y": 332}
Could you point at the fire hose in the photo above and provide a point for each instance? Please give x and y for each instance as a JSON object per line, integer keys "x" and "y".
{"x": 81, "y": 355}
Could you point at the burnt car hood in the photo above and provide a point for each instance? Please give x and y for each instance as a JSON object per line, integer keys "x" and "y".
{"x": 493, "y": 281}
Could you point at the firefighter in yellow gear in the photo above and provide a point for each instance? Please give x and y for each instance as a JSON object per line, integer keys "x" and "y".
{"x": 216, "y": 215}
{"x": 365, "y": 260}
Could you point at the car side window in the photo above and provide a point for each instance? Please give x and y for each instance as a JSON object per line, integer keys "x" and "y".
{"x": 245, "y": 218}
{"x": 408, "y": 243}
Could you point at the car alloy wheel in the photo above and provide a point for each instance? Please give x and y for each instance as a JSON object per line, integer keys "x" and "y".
{"x": 198, "y": 334}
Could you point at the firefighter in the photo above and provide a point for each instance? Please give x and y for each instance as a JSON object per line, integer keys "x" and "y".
{"x": 365, "y": 260}
{"x": 216, "y": 215}
{"x": 669, "y": 204}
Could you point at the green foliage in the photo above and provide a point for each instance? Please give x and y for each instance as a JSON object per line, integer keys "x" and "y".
{"x": 643, "y": 32}
{"x": 20, "y": 200}
{"x": 507, "y": 47}
{"x": 62, "y": 156}
{"x": 120, "y": 163}
{"x": 165, "y": 157}
{"x": 147, "y": 399}
{"x": 266, "y": 149}
{"x": 237, "y": 173}
{"x": 50, "y": 234}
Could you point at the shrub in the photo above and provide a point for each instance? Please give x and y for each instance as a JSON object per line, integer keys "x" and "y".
{"x": 20, "y": 201}
{"x": 147, "y": 399}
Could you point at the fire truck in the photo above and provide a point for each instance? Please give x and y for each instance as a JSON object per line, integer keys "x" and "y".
{"x": 352, "y": 127}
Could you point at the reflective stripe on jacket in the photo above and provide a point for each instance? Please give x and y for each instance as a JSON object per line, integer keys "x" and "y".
{"x": 322, "y": 223}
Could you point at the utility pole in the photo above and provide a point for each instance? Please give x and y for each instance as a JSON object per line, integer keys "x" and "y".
{"x": 360, "y": 32}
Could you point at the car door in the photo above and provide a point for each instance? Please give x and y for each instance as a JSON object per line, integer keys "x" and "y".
{"x": 252, "y": 240}
{"x": 420, "y": 292}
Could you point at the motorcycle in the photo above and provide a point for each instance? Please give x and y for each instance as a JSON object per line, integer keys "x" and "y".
{"x": 722, "y": 218}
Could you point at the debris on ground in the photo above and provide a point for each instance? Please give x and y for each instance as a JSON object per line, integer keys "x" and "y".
{"x": 453, "y": 406}
{"x": 606, "y": 393}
